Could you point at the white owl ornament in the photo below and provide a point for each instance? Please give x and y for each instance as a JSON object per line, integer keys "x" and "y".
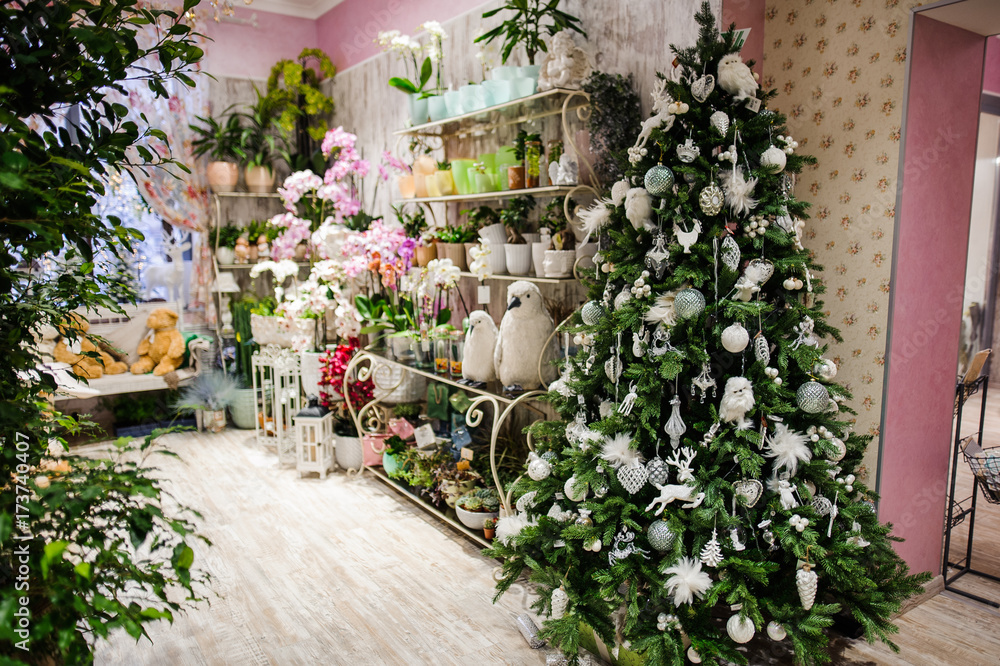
{"x": 736, "y": 78}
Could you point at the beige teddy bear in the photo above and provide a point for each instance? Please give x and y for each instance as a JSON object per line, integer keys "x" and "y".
{"x": 166, "y": 352}
{"x": 75, "y": 352}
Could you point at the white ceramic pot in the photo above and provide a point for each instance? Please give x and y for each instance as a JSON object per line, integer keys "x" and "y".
{"x": 585, "y": 255}
{"x": 225, "y": 255}
{"x": 538, "y": 257}
{"x": 495, "y": 233}
{"x": 559, "y": 263}
{"x": 518, "y": 258}
{"x": 260, "y": 179}
{"x": 348, "y": 452}
{"x": 223, "y": 176}
{"x": 472, "y": 519}
{"x": 213, "y": 421}
{"x": 244, "y": 409}
{"x": 418, "y": 109}
{"x": 496, "y": 260}
{"x": 532, "y": 237}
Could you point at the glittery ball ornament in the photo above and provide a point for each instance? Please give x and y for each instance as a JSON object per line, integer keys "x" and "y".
{"x": 773, "y": 159}
{"x": 659, "y": 180}
{"x": 660, "y": 536}
{"x": 735, "y": 338}
{"x": 591, "y": 313}
{"x": 812, "y": 397}
{"x": 710, "y": 199}
{"x": 689, "y": 303}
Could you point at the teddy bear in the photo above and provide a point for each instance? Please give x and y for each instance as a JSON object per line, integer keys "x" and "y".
{"x": 75, "y": 352}
{"x": 166, "y": 352}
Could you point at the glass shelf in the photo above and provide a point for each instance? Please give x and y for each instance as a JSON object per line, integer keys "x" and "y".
{"x": 529, "y": 278}
{"x": 247, "y": 195}
{"x": 547, "y": 191}
{"x": 492, "y": 389}
{"x": 523, "y": 109}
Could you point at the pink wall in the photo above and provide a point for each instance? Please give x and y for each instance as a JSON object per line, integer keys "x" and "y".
{"x": 747, "y": 14}
{"x": 244, "y": 51}
{"x": 347, "y": 32}
{"x": 991, "y": 74}
{"x": 931, "y": 238}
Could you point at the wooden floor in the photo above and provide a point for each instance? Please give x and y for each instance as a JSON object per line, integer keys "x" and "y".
{"x": 345, "y": 571}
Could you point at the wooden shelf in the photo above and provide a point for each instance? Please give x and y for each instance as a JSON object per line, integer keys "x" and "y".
{"x": 547, "y": 191}
{"x": 529, "y": 278}
{"x": 516, "y": 111}
{"x": 236, "y": 267}
{"x": 247, "y": 195}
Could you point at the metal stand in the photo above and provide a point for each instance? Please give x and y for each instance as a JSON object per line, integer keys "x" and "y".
{"x": 959, "y": 510}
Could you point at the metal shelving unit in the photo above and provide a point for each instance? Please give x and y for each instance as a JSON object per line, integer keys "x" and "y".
{"x": 547, "y": 191}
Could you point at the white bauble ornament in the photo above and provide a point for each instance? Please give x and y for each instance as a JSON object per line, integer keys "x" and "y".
{"x": 559, "y": 602}
{"x": 538, "y": 468}
{"x": 592, "y": 544}
{"x": 775, "y": 631}
{"x": 735, "y": 338}
{"x": 811, "y": 487}
{"x": 825, "y": 369}
{"x": 773, "y": 159}
{"x": 720, "y": 121}
{"x": 575, "y": 490}
{"x": 807, "y": 582}
{"x": 841, "y": 451}
{"x": 740, "y": 629}
{"x": 693, "y": 656}
{"x": 623, "y": 297}
{"x": 812, "y": 397}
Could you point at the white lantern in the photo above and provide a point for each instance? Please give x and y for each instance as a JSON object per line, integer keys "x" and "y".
{"x": 276, "y": 376}
{"x": 314, "y": 439}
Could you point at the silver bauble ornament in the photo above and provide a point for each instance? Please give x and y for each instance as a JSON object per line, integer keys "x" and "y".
{"x": 711, "y": 199}
{"x": 591, "y": 313}
{"x": 658, "y": 471}
{"x": 549, "y": 456}
{"x": 812, "y": 397}
{"x": 623, "y": 297}
{"x": 660, "y": 536}
{"x": 825, "y": 369}
{"x": 740, "y": 629}
{"x": 719, "y": 121}
{"x": 773, "y": 159}
{"x": 538, "y": 469}
{"x": 575, "y": 490}
{"x": 688, "y": 303}
{"x": 735, "y": 338}
{"x": 659, "y": 181}
{"x": 775, "y": 631}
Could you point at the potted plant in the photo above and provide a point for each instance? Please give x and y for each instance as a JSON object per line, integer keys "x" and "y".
{"x": 559, "y": 260}
{"x": 394, "y": 447}
{"x": 415, "y": 226}
{"x": 225, "y": 252}
{"x": 532, "y": 160}
{"x": 255, "y": 230}
{"x": 347, "y": 444}
{"x": 452, "y": 482}
{"x": 294, "y": 86}
{"x": 551, "y": 221}
{"x": 244, "y": 407}
{"x": 258, "y": 142}
{"x": 515, "y": 173}
{"x": 529, "y": 22}
{"x": 208, "y": 396}
{"x": 476, "y": 507}
{"x": 220, "y": 140}
{"x": 445, "y": 181}
{"x": 489, "y": 528}
{"x": 451, "y": 243}
{"x": 409, "y": 50}
{"x": 514, "y": 217}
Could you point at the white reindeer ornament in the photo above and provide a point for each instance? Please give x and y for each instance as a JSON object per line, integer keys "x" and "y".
{"x": 685, "y": 491}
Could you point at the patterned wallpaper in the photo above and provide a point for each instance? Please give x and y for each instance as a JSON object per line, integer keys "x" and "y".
{"x": 838, "y": 67}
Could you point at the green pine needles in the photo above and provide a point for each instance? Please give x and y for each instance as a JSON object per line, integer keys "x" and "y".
{"x": 722, "y": 485}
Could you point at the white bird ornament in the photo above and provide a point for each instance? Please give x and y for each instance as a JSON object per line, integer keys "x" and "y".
{"x": 736, "y": 78}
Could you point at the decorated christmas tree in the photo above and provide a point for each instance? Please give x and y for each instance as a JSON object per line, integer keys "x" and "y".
{"x": 703, "y": 485}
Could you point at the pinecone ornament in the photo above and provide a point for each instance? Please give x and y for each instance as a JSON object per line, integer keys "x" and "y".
{"x": 807, "y": 581}
{"x": 658, "y": 471}
{"x": 559, "y": 602}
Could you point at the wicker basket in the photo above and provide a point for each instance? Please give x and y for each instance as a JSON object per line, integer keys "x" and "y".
{"x": 985, "y": 464}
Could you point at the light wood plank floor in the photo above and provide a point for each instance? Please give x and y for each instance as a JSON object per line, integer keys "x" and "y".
{"x": 345, "y": 571}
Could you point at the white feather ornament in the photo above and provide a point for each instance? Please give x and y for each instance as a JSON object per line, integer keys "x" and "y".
{"x": 788, "y": 448}
{"x": 618, "y": 451}
{"x": 595, "y": 218}
{"x": 639, "y": 208}
{"x": 618, "y": 192}
{"x": 738, "y": 190}
{"x": 687, "y": 581}
{"x": 807, "y": 582}
{"x": 509, "y": 527}
{"x": 662, "y": 311}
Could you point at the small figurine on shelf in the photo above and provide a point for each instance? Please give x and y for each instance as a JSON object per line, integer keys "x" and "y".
{"x": 241, "y": 252}
{"x": 565, "y": 65}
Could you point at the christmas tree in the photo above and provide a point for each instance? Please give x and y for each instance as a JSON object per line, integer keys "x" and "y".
{"x": 702, "y": 487}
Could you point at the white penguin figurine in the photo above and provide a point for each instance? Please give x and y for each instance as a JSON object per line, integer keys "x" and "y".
{"x": 480, "y": 342}
{"x": 525, "y": 329}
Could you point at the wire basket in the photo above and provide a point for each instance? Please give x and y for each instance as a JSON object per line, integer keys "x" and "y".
{"x": 986, "y": 466}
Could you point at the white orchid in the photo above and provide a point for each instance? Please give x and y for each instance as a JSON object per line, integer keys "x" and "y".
{"x": 280, "y": 270}
{"x": 480, "y": 265}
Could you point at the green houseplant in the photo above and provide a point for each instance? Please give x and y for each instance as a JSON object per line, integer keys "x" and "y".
{"x": 295, "y": 88}
{"x": 258, "y": 142}
{"x": 227, "y": 237}
{"x": 530, "y": 21}
{"x": 475, "y": 507}
{"x": 209, "y": 395}
{"x": 220, "y": 140}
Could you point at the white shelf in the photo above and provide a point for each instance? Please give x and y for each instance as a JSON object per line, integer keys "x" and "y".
{"x": 547, "y": 191}
{"x": 247, "y": 195}
{"x": 529, "y": 278}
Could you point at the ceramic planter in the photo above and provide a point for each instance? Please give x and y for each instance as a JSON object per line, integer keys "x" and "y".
{"x": 538, "y": 257}
{"x": 390, "y": 464}
{"x": 348, "y": 452}
{"x": 260, "y": 179}
{"x": 223, "y": 176}
{"x": 559, "y": 263}
{"x": 406, "y": 186}
{"x": 474, "y": 519}
{"x": 453, "y": 103}
{"x": 420, "y": 185}
{"x": 455, "y": 252}
{"x": 437, "y": 108}
{"x": 418, "y": 109}
{"x": 515, "y": 177}
{"x": 488, "y": 534}
{"x": 425, "y": 253}
{"x": 225, "y": 255}
{"x": 213, "y": 420}
{"x": 445, "y": 183}
{"x": 452, "y": 490}
{"x": 400, "y": 348}
{"x": 244, "y": 409}
{"x": 496, "y": 234}
{"x": 518, "y": 258}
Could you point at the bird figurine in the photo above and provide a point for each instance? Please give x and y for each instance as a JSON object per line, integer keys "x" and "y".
{"x": 737, "y": 400}
{"x": 525, "y": 335}
{"x": 736, "y": 78}
{"x": 480, "y": 341}
{"x": 687, "y": 238}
